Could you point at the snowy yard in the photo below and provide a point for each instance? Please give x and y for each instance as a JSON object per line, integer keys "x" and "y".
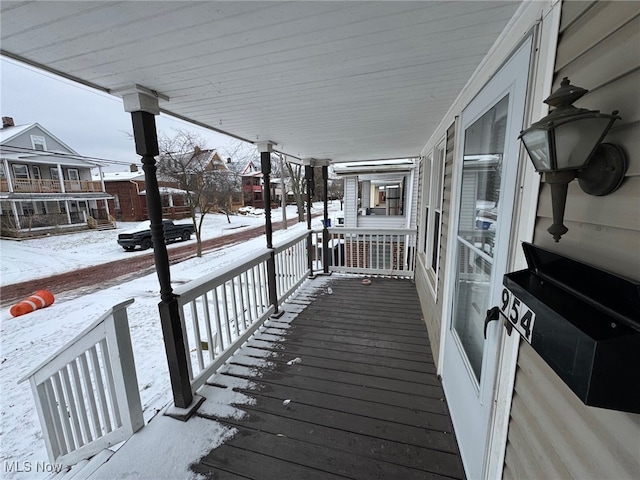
{"x": 26, "y": 340}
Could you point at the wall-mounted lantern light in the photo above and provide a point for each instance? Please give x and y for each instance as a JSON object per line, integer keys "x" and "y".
{"x": 567, "y": 144}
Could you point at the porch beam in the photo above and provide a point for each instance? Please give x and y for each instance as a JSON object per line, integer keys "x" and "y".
{"x": 143, "y": 107}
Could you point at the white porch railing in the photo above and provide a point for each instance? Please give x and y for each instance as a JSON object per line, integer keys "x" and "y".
{"x": 220, "y": 311}
{"x": 86, "y": 394}
{"x": 367, "y": 251}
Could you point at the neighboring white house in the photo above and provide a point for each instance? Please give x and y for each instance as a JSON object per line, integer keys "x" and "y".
{"x": 44, "y": 184}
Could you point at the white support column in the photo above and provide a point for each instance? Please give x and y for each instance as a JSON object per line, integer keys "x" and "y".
{"x": 7, "y": 173}
{"x": 15, "y": 215}
{"x": 366, "y": 194}
{"x": 61, "y": 175}
{"x": 67, "y": 209}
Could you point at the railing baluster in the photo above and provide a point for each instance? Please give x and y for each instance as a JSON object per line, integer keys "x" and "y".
{"x": 73, "y": 409}
{"x": 254, "y": 291}
{"x": 82, "y": 407}
{"x": 211, "y": 346}
{"x": 225, "y": 305}
{"x": 113, "y": 399}
{"x": 196, "y": 335}
{"x": 91, "y": 396}
{"x": 100, "y": 391}
{"x": 246, "y": 300}
{"x": 185, "y": 338}
{"x": 54, "y": 409}
{"x": 62, "y": 412}
{"x": 234, "y": 306}
{"x": 216, "y": 312}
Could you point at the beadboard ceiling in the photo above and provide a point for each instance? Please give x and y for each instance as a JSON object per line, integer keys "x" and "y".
{"x": 334, "y": 80}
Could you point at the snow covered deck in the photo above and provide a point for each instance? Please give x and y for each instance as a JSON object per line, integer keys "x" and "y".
{"x": 342, "y": 386}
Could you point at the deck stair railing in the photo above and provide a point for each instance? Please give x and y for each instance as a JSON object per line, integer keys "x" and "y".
{"x": 86, "y": 394}
{"x": 220, "y": 311}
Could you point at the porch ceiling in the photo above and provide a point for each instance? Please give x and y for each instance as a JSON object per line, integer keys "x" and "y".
{"x": 341, "y": 80}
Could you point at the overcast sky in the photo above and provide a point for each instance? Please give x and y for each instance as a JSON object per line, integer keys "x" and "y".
{"x": 93, "y": 123}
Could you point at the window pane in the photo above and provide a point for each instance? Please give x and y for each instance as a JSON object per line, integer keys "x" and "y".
{"x": 436, "y": 242}
{"x": 426, "y": 223}
{"x": 472, "y": 297}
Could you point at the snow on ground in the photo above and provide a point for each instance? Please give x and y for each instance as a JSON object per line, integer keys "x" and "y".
{"x": 25, "y": 341}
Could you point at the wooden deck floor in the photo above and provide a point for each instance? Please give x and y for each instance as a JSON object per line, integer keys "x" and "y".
{"x": 345, "y": 389}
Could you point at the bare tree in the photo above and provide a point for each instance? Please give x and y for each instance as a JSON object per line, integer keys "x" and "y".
{"x": 297, "y": 183}
{"x": 336, "y": 189}
{"x": 185, "y": 161}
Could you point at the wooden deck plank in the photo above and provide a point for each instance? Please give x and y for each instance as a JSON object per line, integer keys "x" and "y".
{"x": 407, "y": 362}
{"x": 340, "y": 340}
{"x": 254, "y": 465}
{"x": 290, "y": 351}
{"x": 316, "y": 457}
{"x": 388, "y": 397}
{"x": 363, "y": 402}
{"x": 436, "y": 409}
{"x": 345, "y": 347}
{"x": 372, "y": 377}
{"x": 354, "y": 443}
{"x": 355, "y": 331}
{"x": 347, "y": 365}
{"x": 333, "y": 416}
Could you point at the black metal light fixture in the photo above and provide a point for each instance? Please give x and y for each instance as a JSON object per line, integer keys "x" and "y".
{"x": 567, "y": 144}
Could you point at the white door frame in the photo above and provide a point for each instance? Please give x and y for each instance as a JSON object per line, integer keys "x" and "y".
{"x": 506, "y": 348}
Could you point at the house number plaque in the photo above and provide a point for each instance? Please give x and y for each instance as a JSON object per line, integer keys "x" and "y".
{"x": 518, "y": 313}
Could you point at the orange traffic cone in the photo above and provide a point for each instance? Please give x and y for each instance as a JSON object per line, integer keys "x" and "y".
{"x": 40, "y": 299}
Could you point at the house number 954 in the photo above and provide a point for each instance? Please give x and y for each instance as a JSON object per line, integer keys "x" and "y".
{"x": 519, "y": 314}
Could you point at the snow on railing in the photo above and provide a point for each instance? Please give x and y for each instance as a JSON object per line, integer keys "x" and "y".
{"x": 220, "y": 311}
{"x": 367, "y": 251}
{"x": 86, "y": 394}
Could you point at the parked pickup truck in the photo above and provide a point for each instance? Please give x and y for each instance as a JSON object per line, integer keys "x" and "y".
{"x": 141, "y": 236}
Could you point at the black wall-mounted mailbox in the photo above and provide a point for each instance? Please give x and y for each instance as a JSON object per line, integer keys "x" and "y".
{"x": 583, "y": 321}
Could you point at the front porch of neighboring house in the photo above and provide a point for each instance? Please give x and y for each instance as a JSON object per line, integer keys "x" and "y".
{"x": 28, "y": 214}
{"x": 297, "y": 367}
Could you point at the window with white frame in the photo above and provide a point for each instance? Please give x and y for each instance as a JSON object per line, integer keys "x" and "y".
{"x": 55, "y": 173}
{"x": 433, "y": 210}
{"x": 38, "y": 143}
{"x": 35, "y": 169}
{"x": 428, "y": 160}
{"x": 20, "y": 172}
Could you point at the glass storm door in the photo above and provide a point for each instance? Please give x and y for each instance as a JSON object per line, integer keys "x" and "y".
{"x": 484, "y": 208}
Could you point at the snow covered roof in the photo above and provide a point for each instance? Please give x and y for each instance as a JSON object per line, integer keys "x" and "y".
{"x": 122, "y": 176}
{"x": 7, "y": 133}
{"x": 167, "y": 191}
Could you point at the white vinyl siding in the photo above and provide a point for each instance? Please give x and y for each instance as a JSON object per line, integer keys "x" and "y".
{"x": 430, "y": 297}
